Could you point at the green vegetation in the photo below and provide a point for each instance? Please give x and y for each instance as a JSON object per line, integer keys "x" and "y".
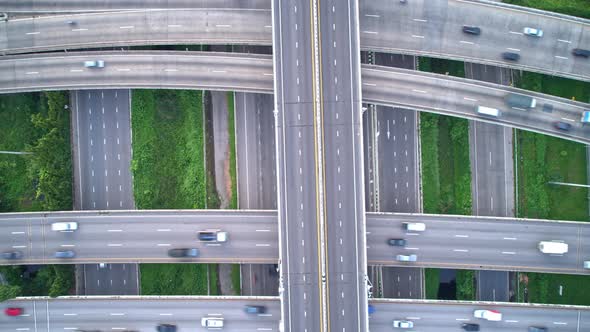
{"x": 236, "y": 279}
{"x": 465, "y": 285}
{"x": 168, "y": 156}
{"x": 213, "y": 200}
{"x": 213, "y": 279}
{"x": 173, "y": 279}
{"x": 578, "y": 8}
{"x": 232, "y": 151}
{"x": 37, "y": 123}
{"x": 442, "y": 66}
{"x": 543, "y": 159}
{"x": 446, "y": 173}
{"x": 432, "y": 282}
{"x": 544, "y": 288}
{"x": 49, "y": 280}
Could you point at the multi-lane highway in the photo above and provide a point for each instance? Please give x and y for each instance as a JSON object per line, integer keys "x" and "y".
{"x": 253, "y": 73}
{"x": 141, "y": 236}
{"x": 299, "y": 176}
{"x": 138, "y": 27}
{"x": 421, "y": 27}
{"x": 128, "y": 313}
{"x": 468, "y": 242}
{"x": 342, "y": 165}
{"x": 145, "y": 313}
{"x": 72, "y": 6}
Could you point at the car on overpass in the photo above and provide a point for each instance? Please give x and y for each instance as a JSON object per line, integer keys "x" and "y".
{"x": 166, "y": 328}
{"x": 254, "y": 309}
{"x": 65, "y": 254}
{"x": 183, "y": 252}
{"x": 212, "y": 322}
{"x": 470, "y": 327}
{"x": 533, "y": 32}
{"x": 12, "y": 254}
{"x": 214, "y": 235}
{"x": 94, "y": 64}
{"x": 473, "y": 30}
{"x": 403, "y": 324}
{"x": 13, "y": 311}
{"x": 397, "y": 242}
{"x": 406, "y": 258}
{"x": 537, "y": 329}
{"x": 491, "y": 315}
{"x": 511, "y": 56}
{"x": 68, "y": 226}
{"x": 581, "y": 52}
{"x": 564, "y": 126}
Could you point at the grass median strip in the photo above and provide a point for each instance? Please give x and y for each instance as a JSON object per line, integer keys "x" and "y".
{"x": 577, "y": 8}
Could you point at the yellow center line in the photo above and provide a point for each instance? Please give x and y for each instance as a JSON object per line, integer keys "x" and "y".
{"x": 315, "y": 145}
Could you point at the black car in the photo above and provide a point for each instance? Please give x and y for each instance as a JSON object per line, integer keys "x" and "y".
{"x": 397, "y": 242}
{"x": 184, "y": 252}
{"x": 581, "y": 52}
{"x": 12, "y": 254}
{"x": 510, "y": 56}
{"x": 166, "y": 328}
{"x": 562, "y": 126}
{"x": 471, "y": 30}
{"x": 537, "y": 329}
{"x": 470, "y": 327}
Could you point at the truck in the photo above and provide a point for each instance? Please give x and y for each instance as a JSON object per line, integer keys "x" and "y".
{"x": 553, "y": 247}
{"x": 520, "y": 101}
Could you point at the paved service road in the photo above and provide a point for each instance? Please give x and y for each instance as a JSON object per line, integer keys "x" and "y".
{"x": 142, "y": 236}
{"x": 52, "y": 6}
{"x": 492, "y": 169}
{"x": 138, "y": 27}
{"x": 449, "y": 241}
{"x": 102, "y": 127}
{"x": 139, "y": 313}
{"x": 434, "y": 28}
{"x": 253, "y": 73}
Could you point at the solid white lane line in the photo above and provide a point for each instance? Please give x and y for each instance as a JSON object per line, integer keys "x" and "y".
{"x": 508, "y": 252}
{"x": 33, "y": 33}
{"x": 509, "y": 238}
{"x": 460, "y": 250}
{"x": 76, "y": 70}
{"x": 127, "y": 27}
{"x": 115, "y": 245}
{"x": 411, "y": 248}
{"x": 561, "y": 57}
{"x": 67, "y": 245}
{"x": 462, "y": 319}
{"x": 419, "y": 20}
{"x": 262, "y": 245}
{"x": 516, "y": 33}
{"x": 80, "y": 29}
{"x": 163, "y": 244}
{"x": 560, "y": 323}
{"x": 511, "y": 321}
{"x": 466, "y": 42}
{"x": 70, "y": 314}
{"x": 263, "y": 230}
{"x": 18, "y": 247}
{"x": 513, "y": 49}
{"x": 372, "y": 15}
{"x": 564, "y": 41}
{"x": 460, "y": 235}
{"x": 163, "y": 230}
{"x": 117, "y": 314}
{"x": 371, "y": 32}
{"x": 165, "y": 314}
{"x": 470, "y": 99}
{"x": 419, "y": 91}
{"x": 114, "y": 230}
{"x": 17, "y": 233}
{"x": 32, "y": 72}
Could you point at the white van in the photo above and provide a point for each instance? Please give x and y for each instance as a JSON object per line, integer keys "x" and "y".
{"x": 488, "y": 111}
{"x": 551, "y": 247}
{"x": 587, "y": 264}
{"x": 64, "y": 226}
{"x": 415, "y": 226}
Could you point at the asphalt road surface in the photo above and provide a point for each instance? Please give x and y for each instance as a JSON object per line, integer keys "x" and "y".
{"x": 52, "y": 6}
{"x": 402, "y": 282}
{"x": 434, "y": 28}
{"x": 449, "y": 241}
{"x": 300, "y": 213}
{"x": 419, "y": 27}
{"x": 343, "y": 183}
{"x": 139, "y": 314}
{"x": 143, "y": 236}
{"x": 144, "y": 313}
{"x": 492, "y": 169}
{"x": 138, "y": 27}
{"x": 104, "y": 131}
{"x": 253, "y": 73}
{"x": 257, "y": 178}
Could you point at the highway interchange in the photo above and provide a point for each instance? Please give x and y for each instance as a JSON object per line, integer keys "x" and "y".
{"x": 322, "y": 62}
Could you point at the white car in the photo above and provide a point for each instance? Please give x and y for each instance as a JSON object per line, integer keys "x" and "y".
{"x": 406, "y": 258}
{"x": 212, "y": 322}
{"x": 533, "y": 32}
{"x": 69, "y": 226}
{"x": 403, "y": 324}
{"x": 491, "y": 315}
{"x": 94, "y": 64}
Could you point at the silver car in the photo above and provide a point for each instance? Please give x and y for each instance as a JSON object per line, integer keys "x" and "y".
{"x": 533, "y": 32}
{"x": 65, "y": 254}
{"x": 406, "y": 258}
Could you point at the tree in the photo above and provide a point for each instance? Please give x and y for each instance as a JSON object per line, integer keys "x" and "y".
{"x": 8, "y": 292}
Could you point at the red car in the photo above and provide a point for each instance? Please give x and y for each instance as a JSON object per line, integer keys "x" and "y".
{"x": 13, "y": 311}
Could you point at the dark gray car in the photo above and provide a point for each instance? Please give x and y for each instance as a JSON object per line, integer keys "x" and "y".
{"x": 510, "y": 56}
{"x": 184, "y": 252}
{"x": 65, "y": 254}
{"x": 166, "y": 328}
{"x": 537, "y": 329}
{"x": 12, "y": 254}
{"x": 471, "y": 30}
{"x": 397, "y": 242}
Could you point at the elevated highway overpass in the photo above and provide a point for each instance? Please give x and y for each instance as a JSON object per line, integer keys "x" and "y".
{"x": 464, "y": 242}
{"x": 419, "y": 27}
{"x": 144, "y": 313}
{"x": 253, "y": 73}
